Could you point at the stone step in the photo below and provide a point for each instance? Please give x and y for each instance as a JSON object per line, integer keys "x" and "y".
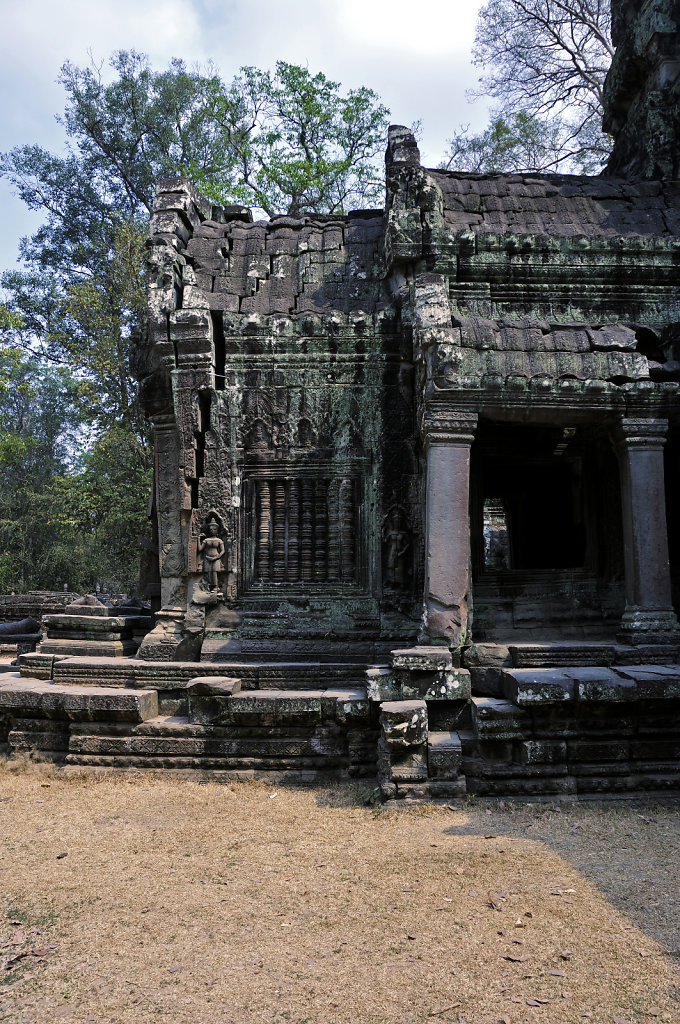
{"x": 177, "y": 725}
{"x": 533, "y": 687}
{"x": 174, "y": 675}
{"x": 299, "y": 705}
{"x": 317, "y": 745}
{"x": 210, "y": 763}
{"x": 35, "y": 698}
{"x": 573, "y": 655}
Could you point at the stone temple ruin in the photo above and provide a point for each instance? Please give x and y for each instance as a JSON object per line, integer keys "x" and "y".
{"x": 414, "y": 470}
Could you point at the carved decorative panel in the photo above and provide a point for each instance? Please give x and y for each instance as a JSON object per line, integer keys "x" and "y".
{"x": 305, "y": 529}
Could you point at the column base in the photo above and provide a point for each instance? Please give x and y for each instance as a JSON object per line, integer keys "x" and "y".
{"x": 649, "y": 626}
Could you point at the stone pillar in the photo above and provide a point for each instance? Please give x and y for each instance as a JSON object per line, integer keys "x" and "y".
{"x": 447, "y": 526}
{"x": 168, "y": 505}
{"x": 649, "y": 615}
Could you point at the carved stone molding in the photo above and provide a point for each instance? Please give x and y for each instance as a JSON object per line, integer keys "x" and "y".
{"x": 454, "y": 427}
{"x": 642, "y": 432}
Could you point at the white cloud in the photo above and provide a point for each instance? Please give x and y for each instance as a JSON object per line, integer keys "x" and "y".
{"x": 423, "y": 28}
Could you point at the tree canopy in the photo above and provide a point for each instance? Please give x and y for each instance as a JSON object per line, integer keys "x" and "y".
{"x": 544, "y": 62}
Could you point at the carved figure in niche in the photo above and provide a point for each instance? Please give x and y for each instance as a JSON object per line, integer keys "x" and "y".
{"x": 397, "y": 541}
{"x": 305, "y": 434}
{"x": 211, "y": 547}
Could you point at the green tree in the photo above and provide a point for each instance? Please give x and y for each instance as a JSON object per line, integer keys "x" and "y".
{"x": 296, "y": 145}
{"x": 544, "y": 63}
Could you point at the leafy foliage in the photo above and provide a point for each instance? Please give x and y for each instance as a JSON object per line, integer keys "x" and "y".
{"x": 297, "y": 145}
{"x": 66, "y": 515}
{"x": 544, "y": 62}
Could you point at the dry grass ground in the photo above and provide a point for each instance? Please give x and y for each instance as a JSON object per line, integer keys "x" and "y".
{"x": 182, "y": 902}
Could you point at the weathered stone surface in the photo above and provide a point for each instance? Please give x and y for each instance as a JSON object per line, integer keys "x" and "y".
{"x": 486, "y": 682}
{"x": 131, "y": 672}
{"x": 99, "y": 648}
{"x": 487, "y": 656}
{"x": 444, "y": 755}
{"x": 404, "y": 722}
{"x": 36, "y": 666}
{"x": 422, "y": 659}
{"x": 542, "y": 751}
{"x": 560, "y": 654}
{"x": 24, "y": 697}
{"x": 528, "y": 687}
{"x": 382, "y": 684}
{"x": 26, "y": 626}
{"x": 213, "y": 686}
{"x": 496, "y": 719}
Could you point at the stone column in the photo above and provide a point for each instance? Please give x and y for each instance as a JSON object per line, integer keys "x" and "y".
{"x": 649, "y": 615}
{"x": 168, "y": 505}
{"x": 447, "y": 526}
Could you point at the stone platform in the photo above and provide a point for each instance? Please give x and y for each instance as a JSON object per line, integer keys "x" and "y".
{"x": 417, "y": 725}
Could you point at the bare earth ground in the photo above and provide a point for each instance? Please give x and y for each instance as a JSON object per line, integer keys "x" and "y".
{"x": 135, "y": 899}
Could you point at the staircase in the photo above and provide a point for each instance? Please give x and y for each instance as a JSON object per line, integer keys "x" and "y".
{"x": 298, "y": 734}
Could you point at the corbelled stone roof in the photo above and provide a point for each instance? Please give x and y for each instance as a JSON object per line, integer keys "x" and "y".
{"x": 285, "y": 265}
{"x": 559, "y": 205}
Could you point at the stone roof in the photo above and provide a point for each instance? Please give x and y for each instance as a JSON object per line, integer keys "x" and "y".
{"x": 285, "y": 265}
{"x": 558, "y": 205}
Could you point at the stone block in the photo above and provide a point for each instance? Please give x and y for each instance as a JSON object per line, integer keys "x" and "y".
{"x": 599, "y": 750}
{"x": 652, "y": 682}
{"x": 346, "y": 706}
{"x": 646, "y": 654}
{"x": 447, "y": 789}
{"x": 444, "y": 755}
{"x": 662, "y": 749}
{"x": 57, "y": 625}
{"x": 35, "y": 698}
{"x": 213, "y": 686}
{"x": 161, "y": 675}
{"x": 404, "y": 723}
{"x": 486, "y": 682}
{"x": 495, "y": 719}
{"x": 452, "y": 684}
{"x": 207, "y": 697}
{"x": 542, "y": 751}
{"x": 422, "y": 659}
{"x": 487, "y": 656}
{"x": 50, "y": 743}
{"x": 603, "y": 685}
{"x": 36, "y": 665}
{"x": 274, "y": 704}
{"x": 397, "y": 764}
{"x": 554, "y": 655}
{"x": 89, "y": 648}
{"x": 531, "y": 687}
{"x": 381, "y": 684}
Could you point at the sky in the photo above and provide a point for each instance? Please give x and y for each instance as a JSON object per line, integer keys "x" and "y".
{"x": 414, "y": 53}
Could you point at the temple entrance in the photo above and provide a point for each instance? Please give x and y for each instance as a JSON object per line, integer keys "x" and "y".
{"x": 546, "y": 531}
